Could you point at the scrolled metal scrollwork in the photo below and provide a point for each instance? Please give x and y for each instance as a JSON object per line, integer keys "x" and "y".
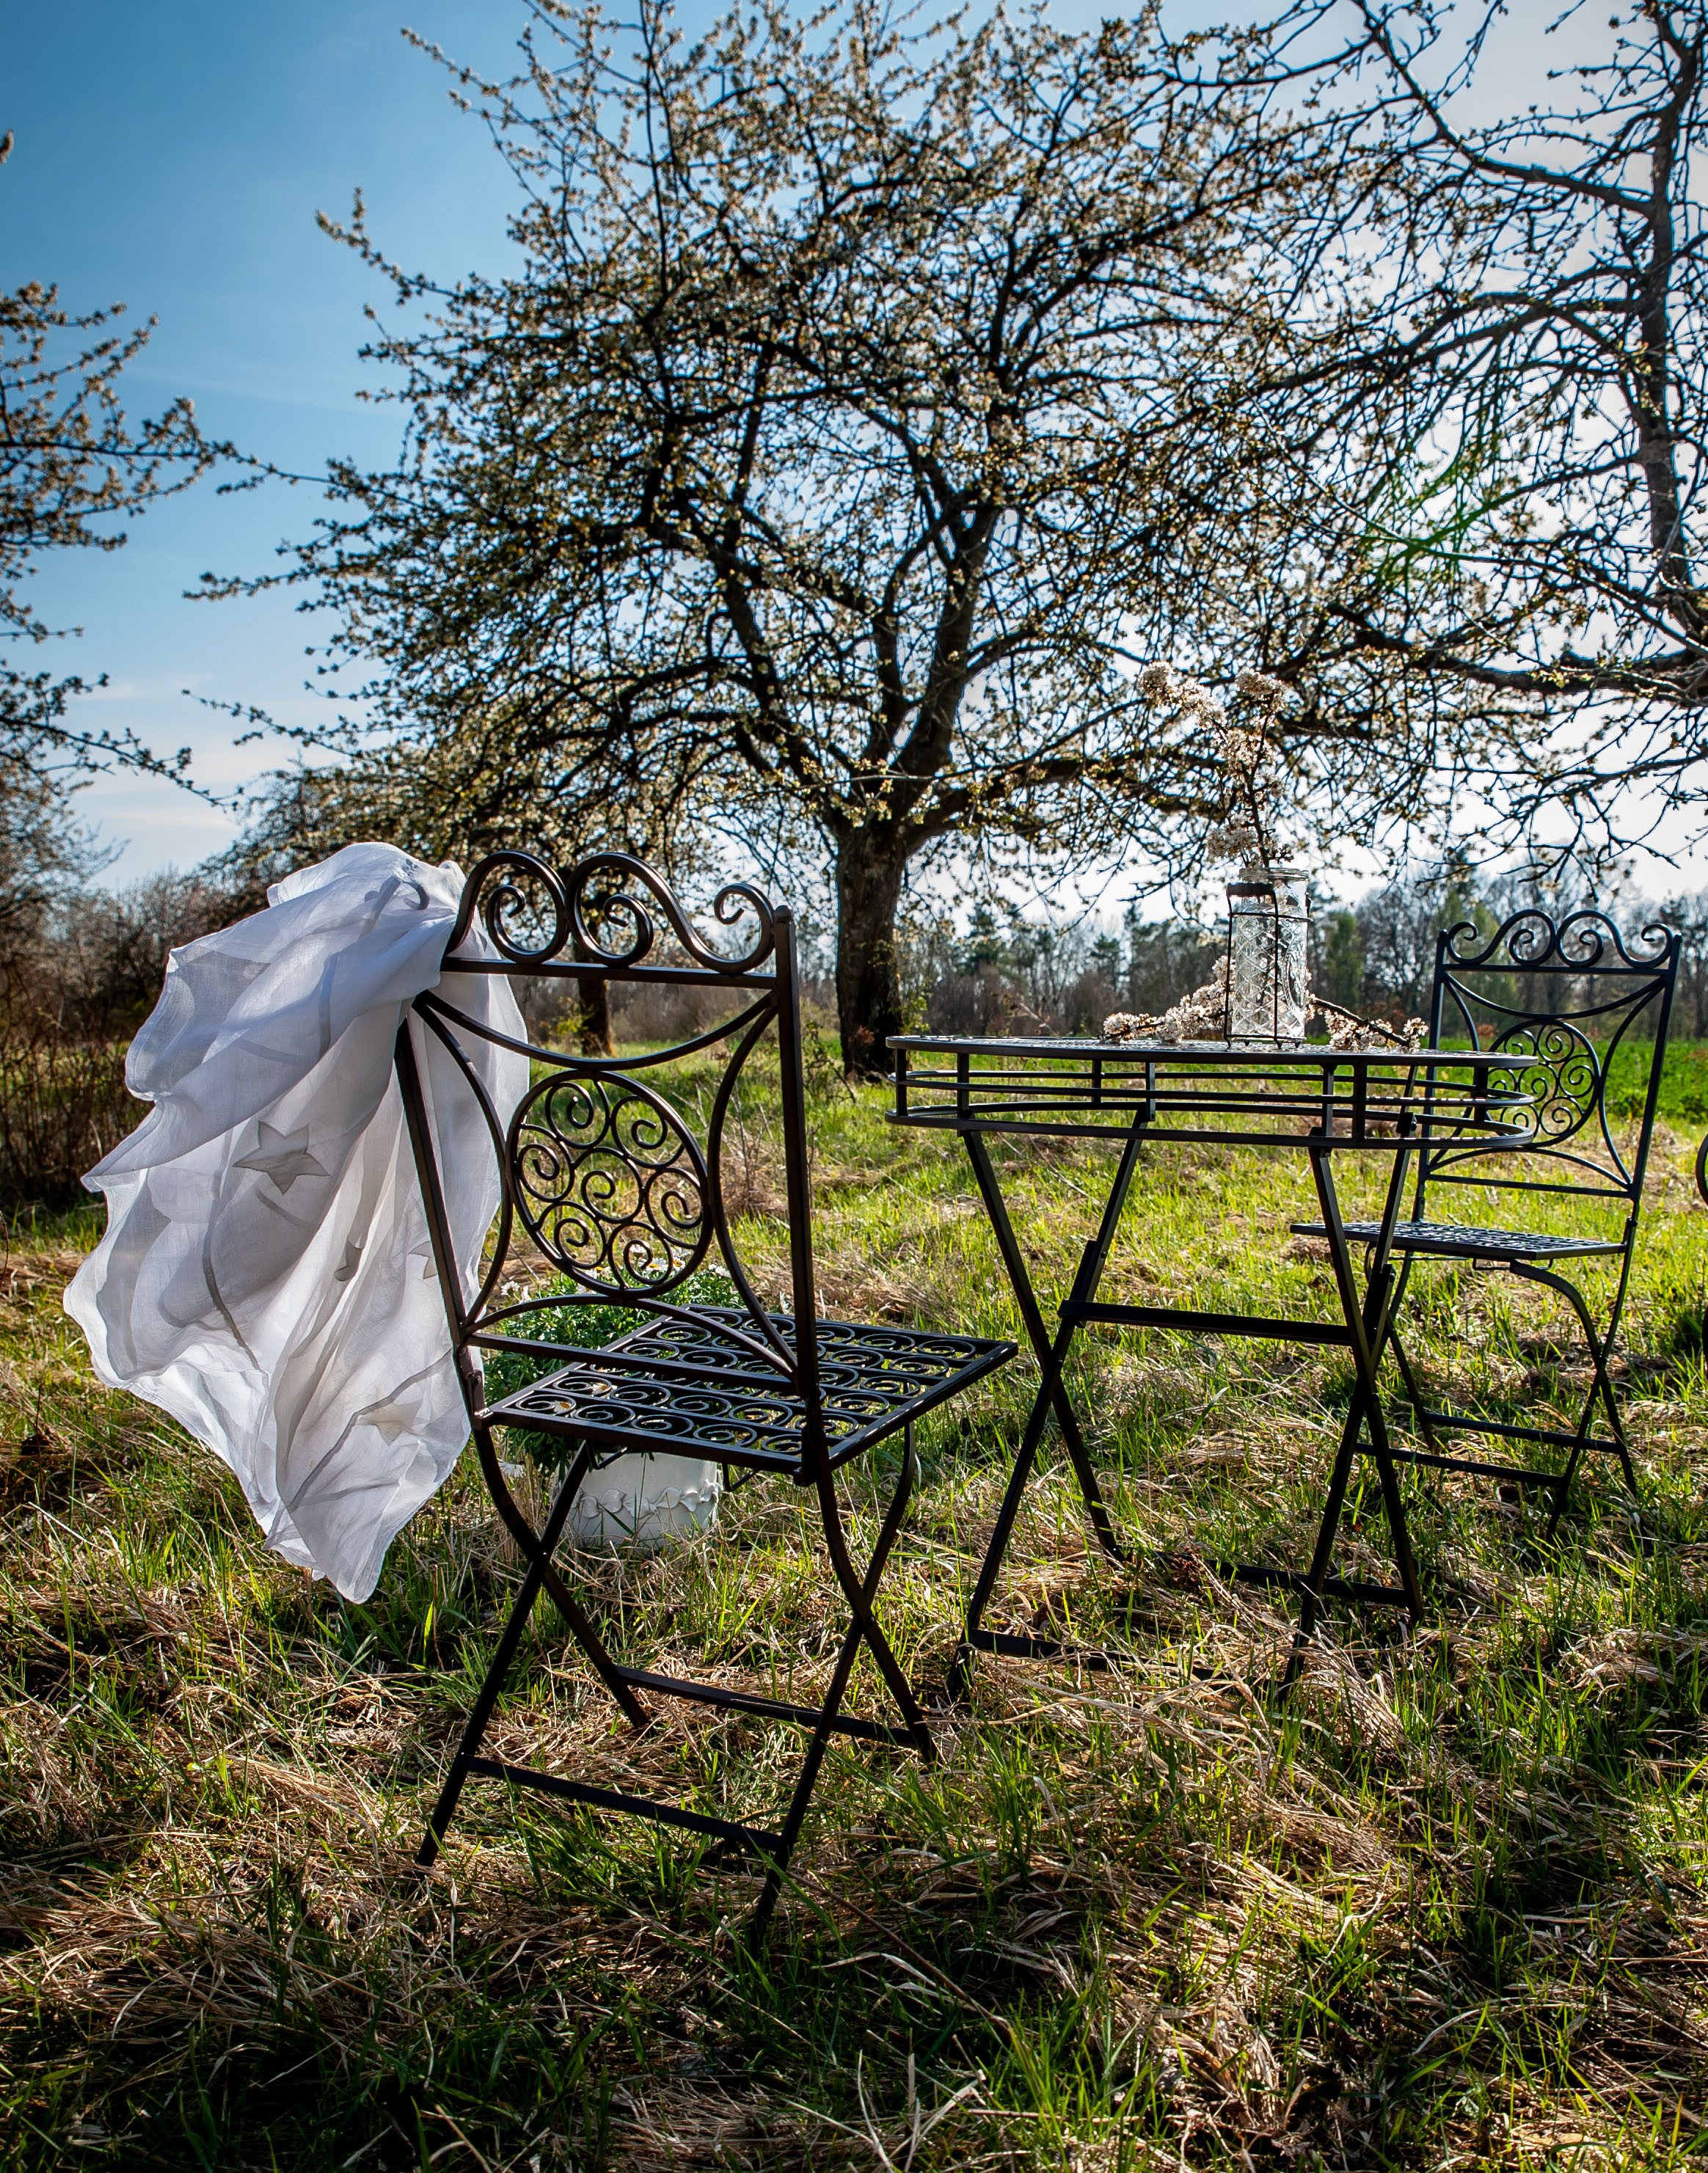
{"x": 1558, "y": 1068}
{"x": 609, "y": 888}
{"x": 609, "y": 1185}
{"x": 604, "y": 912}
{"x": 522, "y": 881}
{"x": 1584, "y": 938}
{"x": 1531, "y": 940}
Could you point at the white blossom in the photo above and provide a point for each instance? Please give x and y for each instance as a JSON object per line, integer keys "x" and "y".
{"x": 1159, "y": 682}
{"x": 1258, "y": 687}
{"x": 1200, "y": 1017}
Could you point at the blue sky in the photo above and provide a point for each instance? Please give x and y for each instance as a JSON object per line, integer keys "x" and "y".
{"x": 173, "y": 157}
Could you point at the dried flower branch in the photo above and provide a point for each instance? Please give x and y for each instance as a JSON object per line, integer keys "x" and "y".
{"x": 1352, "y": 1030}
{"x": 1200, "y": 1017}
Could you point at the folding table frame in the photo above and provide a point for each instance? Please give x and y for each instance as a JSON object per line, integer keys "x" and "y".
{"x": 1320, "y": 1102}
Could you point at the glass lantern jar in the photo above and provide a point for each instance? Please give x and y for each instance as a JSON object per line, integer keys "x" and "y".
{"x": 1268, "y": 923}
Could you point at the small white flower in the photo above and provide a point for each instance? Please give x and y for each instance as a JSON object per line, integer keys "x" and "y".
{"x": 1259, "y": 687}
{"x": 1158, "y": 682}
{"x": 1242, "y": 748}
{"x": 1196, "y": 700}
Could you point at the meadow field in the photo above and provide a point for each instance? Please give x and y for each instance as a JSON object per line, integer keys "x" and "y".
{"x": 1444, "y": 1907}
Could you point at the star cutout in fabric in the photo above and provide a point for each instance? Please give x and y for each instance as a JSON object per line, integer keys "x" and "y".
{"x": 284, "y": 1157}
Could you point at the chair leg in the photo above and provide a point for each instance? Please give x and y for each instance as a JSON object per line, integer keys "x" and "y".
{"x": 859, "y": 1590}
{"x": 533, "y": 1546}
{"x": 863, "y": 1628}
{"x": 475, "y": 1727}
{"x": 1389, "y": 1333}
{"x": 1601, "y": 1390}
{"x": 1562, "y": 1486}
{"x": 540, "y": 1576}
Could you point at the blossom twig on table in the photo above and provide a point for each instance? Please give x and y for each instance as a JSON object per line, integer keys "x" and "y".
{"x": 1200, "y": 1017}
{"x": 1351, "y": 1029}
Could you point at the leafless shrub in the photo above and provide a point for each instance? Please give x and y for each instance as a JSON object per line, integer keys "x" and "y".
{"x": 78, "y": 976}
{"x": 62, "y": 1106}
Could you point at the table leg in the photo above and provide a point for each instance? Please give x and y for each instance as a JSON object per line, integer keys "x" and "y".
{"x": 1366, "y": 1322}
{"x": 1369, "y": 1338}
{"x": 1366, "y": 1317}
{"x": 1051, "y": 1354}
{"x": 1038, "y": 1334}
{"x": 960, "y": 1668}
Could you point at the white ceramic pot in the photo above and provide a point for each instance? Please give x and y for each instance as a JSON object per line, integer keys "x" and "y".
{"x": 641, "y": 1501}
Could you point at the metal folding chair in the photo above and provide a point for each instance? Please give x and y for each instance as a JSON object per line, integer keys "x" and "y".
{"x": 603, "y": 1176}
{"x": 1567, "y": 1000}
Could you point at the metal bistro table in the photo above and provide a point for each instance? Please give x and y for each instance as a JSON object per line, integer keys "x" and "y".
{"x": 1316, "y": 1100}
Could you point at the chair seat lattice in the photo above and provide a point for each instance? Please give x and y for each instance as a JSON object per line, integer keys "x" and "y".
{"x": 694, "y": 1387}
{"x": 1468, "y": 1241}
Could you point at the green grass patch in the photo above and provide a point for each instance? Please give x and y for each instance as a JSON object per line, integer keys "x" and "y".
{"x": 1445, "y": 1909}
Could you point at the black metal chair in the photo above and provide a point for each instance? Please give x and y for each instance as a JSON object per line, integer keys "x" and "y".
{"x": 1565, "y": 1000}
{"x": 600, "y": 1173}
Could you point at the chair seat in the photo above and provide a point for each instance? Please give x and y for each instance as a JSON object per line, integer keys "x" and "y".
{"x": 1466, "y": 1241}
{"x": 690, "y": 1387}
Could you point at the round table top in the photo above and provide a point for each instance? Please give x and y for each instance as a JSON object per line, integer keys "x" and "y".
{"x": 1313, "y": 1052}
{"x": 1254, "y": 1093}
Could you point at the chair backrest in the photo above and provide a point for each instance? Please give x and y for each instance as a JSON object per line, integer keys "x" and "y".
{"x": 1569, "y": 1000}
{"x": 610, "y": 1180}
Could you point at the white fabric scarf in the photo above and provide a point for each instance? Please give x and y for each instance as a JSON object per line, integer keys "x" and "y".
{"x": 266, "y": 1276}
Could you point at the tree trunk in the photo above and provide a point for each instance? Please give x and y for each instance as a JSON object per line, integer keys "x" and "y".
{"x": 593, "y": 1032}
{"x": 868, "y": 988}
{"x": 592, "y": 1009}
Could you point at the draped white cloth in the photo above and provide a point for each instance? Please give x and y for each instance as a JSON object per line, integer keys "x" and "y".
{"x": 266, "y": 1276}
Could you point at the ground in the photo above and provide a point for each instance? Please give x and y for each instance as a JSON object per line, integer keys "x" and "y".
{"x": 1445, "y": 1907}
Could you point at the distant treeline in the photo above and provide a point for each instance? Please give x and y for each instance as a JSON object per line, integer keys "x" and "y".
{"x": 1009, "y": 973}
{"x": 81, "y": 968}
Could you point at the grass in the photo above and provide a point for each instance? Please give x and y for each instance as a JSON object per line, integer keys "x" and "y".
{"x": 1446, "y": 1908}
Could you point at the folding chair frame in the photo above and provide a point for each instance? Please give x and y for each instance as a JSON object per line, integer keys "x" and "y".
{"x": 1490, "y": 990}
{"x": 562, "y": 1162}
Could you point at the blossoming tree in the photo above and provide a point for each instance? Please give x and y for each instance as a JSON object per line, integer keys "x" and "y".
{"x": 854, "y": 422}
